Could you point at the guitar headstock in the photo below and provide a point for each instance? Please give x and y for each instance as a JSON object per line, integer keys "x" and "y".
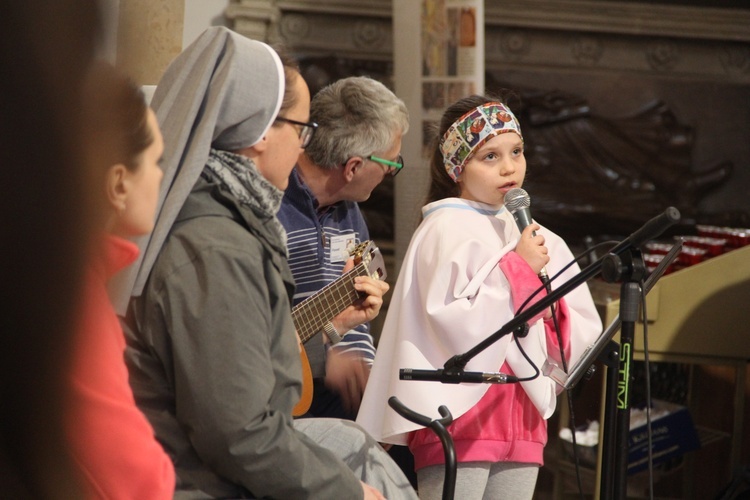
{"x": 368, "y": 255}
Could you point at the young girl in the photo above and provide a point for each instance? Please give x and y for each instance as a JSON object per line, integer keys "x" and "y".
{"x": 466, "y": 272}
{"x": 110, "y": 439}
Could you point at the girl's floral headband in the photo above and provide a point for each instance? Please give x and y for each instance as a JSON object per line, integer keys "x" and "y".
{"x": 471, "y": 131}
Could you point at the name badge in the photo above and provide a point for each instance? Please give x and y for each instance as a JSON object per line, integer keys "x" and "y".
{"x": 342, "y": 246}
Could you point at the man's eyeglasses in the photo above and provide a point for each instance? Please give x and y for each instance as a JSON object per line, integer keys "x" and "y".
{"x": 394, "y": 167}
{"x": 306, "y": 130}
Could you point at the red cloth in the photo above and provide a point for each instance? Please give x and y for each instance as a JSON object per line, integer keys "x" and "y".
{"x": 112, "y": 442}
{"x": 504, "y": 426}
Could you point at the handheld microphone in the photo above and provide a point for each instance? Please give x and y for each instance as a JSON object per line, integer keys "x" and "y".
{"x": 517, "y": 201}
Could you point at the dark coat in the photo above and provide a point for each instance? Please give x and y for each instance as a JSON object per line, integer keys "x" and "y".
{"x": 214, "y": 359}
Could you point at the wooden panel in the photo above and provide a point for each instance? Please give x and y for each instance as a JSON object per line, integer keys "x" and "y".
{"x": 700, "y": 310}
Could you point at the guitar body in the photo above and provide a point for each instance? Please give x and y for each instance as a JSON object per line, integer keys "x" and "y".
{"x": 305, "y": 399}
{"x": 311, "y": 314}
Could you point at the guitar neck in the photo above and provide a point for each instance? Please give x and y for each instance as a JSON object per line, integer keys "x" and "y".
{"x": 314, "y": 312}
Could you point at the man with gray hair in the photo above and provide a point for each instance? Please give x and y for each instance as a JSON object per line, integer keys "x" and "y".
{"x": 357, "y": 143}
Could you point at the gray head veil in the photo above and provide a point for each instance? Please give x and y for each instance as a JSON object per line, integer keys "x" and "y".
{"x": 223, "y": 91}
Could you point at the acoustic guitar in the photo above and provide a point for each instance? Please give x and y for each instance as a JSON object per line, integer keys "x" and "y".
{"x": 314, "y": 312}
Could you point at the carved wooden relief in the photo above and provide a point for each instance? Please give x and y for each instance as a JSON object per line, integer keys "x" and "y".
{"x": 626, "y": 107}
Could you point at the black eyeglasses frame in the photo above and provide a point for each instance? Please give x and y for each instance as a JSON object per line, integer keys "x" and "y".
{"x": 306, "y": 130}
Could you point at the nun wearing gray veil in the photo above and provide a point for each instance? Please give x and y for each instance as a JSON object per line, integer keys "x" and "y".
{"x": 212, "y": 352}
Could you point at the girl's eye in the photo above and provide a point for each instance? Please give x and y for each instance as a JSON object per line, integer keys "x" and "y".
{"x": 518, "y": 151}
{"x": 490, "y": 156}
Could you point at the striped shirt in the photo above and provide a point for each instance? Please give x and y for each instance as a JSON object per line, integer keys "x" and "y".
{"x": 315, "y": 239}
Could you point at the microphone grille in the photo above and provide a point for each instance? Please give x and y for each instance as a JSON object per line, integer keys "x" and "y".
{"x": 517, "y": 198}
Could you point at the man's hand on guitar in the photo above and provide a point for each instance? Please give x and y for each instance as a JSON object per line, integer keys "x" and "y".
{"x": 365, "y": 309}
{"x": 362, "y": 285}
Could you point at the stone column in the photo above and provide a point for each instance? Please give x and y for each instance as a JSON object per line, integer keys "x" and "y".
{"x": 149, "y": 36}
{"x": 438, "y": 57}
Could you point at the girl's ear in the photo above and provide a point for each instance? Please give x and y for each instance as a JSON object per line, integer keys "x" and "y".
{"x": 351, "y": 166}
{"x": 117, "y": 187}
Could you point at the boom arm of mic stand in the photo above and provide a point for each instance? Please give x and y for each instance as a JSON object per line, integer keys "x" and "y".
{"x": 569, "y": 380}
{"x": 650, "y": 230}
{"x": 460, "y": 360}
{"x": 453, "y": 369}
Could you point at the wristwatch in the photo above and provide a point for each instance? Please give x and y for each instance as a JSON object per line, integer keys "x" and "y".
{"x": 331, "y": 333}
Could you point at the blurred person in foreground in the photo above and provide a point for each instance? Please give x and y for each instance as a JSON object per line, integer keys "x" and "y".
{"x": 111, "y": 441}
{"x": 45, "y": 50}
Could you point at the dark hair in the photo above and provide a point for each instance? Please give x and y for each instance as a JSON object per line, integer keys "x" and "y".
{"x": 116, "y": 117}
{"x": 291, "y": 73}
{"x": 441, "y": 185}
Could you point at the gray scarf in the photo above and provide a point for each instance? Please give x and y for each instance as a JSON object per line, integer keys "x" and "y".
{"x": 239, "y": 175}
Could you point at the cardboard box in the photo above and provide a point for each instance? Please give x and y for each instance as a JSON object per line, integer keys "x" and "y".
{"x": 671, "y": 435}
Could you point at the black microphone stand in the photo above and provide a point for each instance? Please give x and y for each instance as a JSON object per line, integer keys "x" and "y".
{"x": 629, "y": 269}
{"x": 439, "y": 427}
{"x": 614, "y": 461}
{"x": 623, "y": 261}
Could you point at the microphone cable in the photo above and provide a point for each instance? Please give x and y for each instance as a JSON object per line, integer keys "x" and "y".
{"x": 539, "y": 290}
{"x": 647, "y": 369}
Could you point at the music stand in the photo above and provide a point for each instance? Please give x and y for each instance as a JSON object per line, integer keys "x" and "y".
{"x": 595, "y": 350}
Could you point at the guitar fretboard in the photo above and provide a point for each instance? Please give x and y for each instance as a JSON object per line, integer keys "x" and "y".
{"x": 313, "y": 313}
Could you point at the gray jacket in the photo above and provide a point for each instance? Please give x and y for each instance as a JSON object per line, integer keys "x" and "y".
{"x": 214, "y": 360}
